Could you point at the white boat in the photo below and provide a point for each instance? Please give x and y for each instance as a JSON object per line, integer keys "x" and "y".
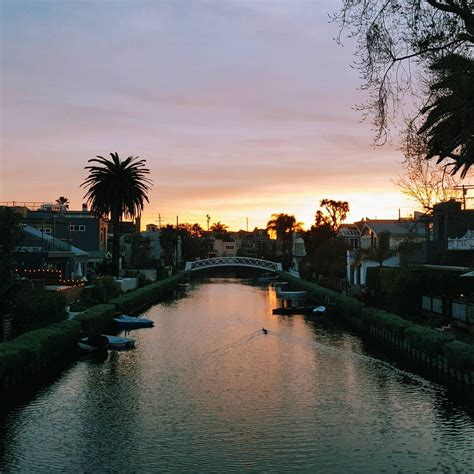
{"x": 290, "y": 294}
{"x": 319, "y": 309}
{"x": 120, "y": 343}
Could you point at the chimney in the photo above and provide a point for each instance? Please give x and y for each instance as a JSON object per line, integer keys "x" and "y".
{"x": 138, "y": 224}
{"x": 84, "y": 207}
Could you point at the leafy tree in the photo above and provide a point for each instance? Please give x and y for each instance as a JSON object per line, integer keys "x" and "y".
{"x": 141, "y": 252}
{"x": 220, "y": 230}
{"x": 168, "y": 242}
{"x": 117, "y": 188}
{"x": 396, "y": 41}
{"x": 449, "y": 117}
{"x": 335, "y": 213}
{"x": 10, "y": 236}
{"x": 193, "y": 243}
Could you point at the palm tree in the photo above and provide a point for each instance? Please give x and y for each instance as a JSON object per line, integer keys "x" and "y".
{"x": 220, "y": 230}
{"x": 63, "y": 202}
{"x": 449, "y": 119}
{"x": 117, "y": 188}
{"x": 283, "y": 226}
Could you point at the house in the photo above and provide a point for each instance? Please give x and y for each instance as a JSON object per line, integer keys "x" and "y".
{"x": 223, "y": 248}
{"x": 350, "y": 234}
{"x": 39, "y": 250}
{"x": 256, "y": 243}
{"x": 81, "y": 229}
{"x": 398, "y": 230}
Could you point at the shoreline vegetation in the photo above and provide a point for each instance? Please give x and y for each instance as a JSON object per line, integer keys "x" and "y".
{"x": 36, "y": 356}
{"x": 32, "y": 358}
{"x": 436, "y": 354}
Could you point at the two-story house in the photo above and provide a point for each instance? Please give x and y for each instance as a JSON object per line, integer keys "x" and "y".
{"x": 368, "y": 255}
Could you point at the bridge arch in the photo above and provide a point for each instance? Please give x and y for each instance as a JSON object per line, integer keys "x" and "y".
{"x": 234, "y": 262}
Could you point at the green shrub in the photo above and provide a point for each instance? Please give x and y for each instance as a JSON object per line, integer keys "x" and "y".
{"x": 95, "y": 319}
{"x": 105, "y": 289}
{"x": 427, "y": 339}
{"x": 35, "y": 353}
{"x": 383, "y": 319}
{"x": 38, "y": 308}
{"x": 348, "y": 306}
{"x": 460, "y": 355}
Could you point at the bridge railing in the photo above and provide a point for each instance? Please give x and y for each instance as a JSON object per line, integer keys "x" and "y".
{"x": 234, "y": 262}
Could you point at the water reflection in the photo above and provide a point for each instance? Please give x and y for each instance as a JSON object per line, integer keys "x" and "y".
{"x": 206, "y": 390}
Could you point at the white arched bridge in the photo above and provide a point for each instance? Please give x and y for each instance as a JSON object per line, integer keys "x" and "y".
{"x": 233, "y": 262}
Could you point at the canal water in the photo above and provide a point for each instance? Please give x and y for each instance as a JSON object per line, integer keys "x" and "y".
{"x": 207, "y": 391}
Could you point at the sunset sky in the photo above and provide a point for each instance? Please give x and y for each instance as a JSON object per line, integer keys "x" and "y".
{"x": 241, "y": 108}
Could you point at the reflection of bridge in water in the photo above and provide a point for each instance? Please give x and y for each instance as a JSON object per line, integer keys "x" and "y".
{"x": 234, "y": 262}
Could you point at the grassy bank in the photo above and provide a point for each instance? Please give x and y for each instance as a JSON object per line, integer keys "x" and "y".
{"x": 440, "y": 348}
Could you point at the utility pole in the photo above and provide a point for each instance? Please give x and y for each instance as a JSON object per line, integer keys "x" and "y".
{"x": 159, "y": 221}
{"x": 208, "y": 217}
{"x": 247, "y": 224}
{"x": 177, "y": 244}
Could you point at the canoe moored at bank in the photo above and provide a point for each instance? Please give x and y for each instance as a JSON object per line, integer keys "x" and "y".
{"x": 130, "y": 322}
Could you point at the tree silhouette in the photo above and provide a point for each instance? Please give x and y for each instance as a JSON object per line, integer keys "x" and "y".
{"x": 449, "y": 118}
{"x": 117, "y": 188}
{"x": 283, "y": 226}
{"x": 220, "y": 230}
{"x": 397, "y": 40}
{"x": 335, "y": 214}
{"x": 63, "y": 202}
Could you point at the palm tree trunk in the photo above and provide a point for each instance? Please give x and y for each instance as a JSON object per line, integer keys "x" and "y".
{"x": 115, "y": 244}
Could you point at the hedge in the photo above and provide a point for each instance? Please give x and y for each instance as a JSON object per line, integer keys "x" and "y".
{"x": 134, "y": 300}
{"x": 383, "y": 319}
{"x": 38, "y": 308}
{"x": 460, "y": 355}
{"x": 35, "y": 353}
{"x": 95, "y": 319}
{"x": 427, "y": 339}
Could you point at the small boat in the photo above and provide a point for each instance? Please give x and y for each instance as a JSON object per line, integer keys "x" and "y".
{"x": 120, "y": 343}
{"x": 290, "y": 294}
{"x": 130, "y": 322}
{"x": 93, "y": 343}
{"x": 300, "y": 310}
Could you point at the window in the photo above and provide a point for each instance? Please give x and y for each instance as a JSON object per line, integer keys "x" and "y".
{"x": 229, "y": 247}
{"x": 77, "y": 228}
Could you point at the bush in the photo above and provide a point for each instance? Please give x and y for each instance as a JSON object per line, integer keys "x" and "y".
{"x": 95, "y": 319}
{"x": 389, "y": 321}
{"x": 105, "y": 289}
{"x": 427, "y": 339}
{"x": 460, "y": 355}
{"x": 38, "y": 308}
{"x": 33, "y": 354}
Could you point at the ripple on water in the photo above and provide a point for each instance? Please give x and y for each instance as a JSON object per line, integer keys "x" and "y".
{"x": 206, "y": 391}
